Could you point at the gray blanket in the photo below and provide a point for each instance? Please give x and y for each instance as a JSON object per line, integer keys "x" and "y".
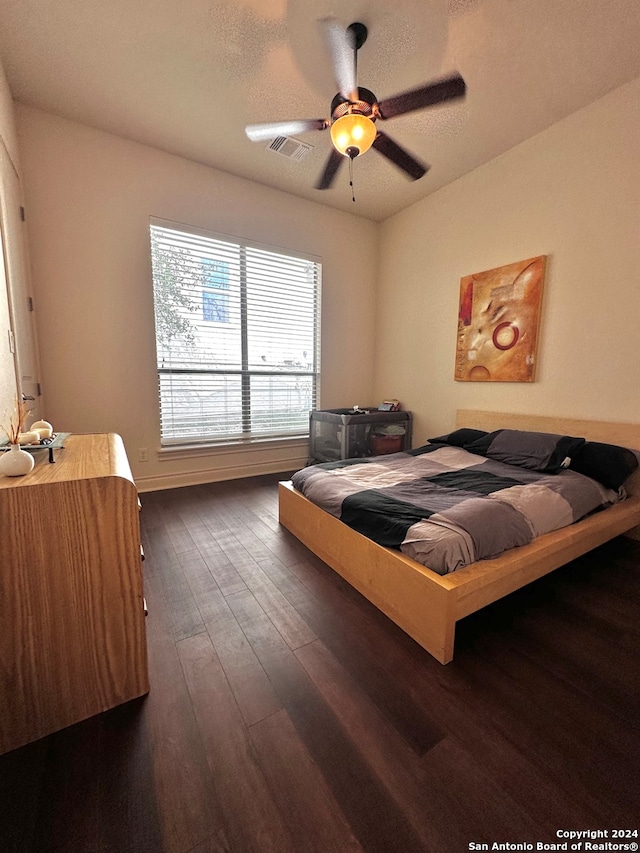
{"x": 446, "y": 507}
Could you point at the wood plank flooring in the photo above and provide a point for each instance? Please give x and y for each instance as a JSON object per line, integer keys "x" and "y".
{"x": 287, "y": 715}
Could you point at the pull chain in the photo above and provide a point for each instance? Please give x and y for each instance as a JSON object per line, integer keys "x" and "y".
{"x": 353, "y": 197}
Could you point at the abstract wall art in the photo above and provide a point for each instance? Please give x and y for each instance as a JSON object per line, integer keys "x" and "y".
{"x": 498, "y": 323}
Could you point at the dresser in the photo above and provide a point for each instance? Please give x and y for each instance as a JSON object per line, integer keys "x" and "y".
{"x": 72, "y": 631}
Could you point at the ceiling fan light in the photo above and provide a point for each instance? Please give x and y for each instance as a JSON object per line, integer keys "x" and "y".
{"x": 353, "y": 131}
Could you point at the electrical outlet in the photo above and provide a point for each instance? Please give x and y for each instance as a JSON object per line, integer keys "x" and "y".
{"x": 143, "y": 454}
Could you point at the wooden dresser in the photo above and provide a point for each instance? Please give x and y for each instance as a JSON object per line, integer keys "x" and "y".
{"x": 72, "y": 632}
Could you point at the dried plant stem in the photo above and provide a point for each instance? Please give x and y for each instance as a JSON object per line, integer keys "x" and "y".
{"x": 16, "y": 422}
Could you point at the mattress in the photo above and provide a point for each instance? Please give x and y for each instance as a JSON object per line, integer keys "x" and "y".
{"x": 447, "y": 507}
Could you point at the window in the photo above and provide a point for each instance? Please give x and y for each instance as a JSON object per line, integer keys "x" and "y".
{"x": 237, "y": 337}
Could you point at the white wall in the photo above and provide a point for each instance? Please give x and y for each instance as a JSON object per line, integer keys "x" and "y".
{"x": 571, "y": 193}
{"x": 89, "y": 196}
{"x": 8, "y": 137}
{"x": 8, "y": 162}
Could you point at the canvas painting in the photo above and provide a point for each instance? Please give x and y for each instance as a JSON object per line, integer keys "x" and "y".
{"x": 498, "y": 323}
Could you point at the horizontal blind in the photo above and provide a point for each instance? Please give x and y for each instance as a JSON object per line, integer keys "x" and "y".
{"x": 237, "y": 337}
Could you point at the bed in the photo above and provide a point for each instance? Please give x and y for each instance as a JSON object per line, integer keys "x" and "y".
{"x": 427, "y": 605}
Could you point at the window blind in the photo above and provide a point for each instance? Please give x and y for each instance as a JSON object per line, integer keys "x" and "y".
{"x": 237, "y": 337}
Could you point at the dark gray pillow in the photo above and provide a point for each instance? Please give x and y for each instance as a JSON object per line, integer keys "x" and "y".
{"x": 537, "y": 451}
{"x": 609, "y": 464}
{"x": 459, "y": 437}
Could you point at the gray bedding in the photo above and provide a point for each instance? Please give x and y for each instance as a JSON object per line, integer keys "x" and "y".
{"x": 446, "y": 507}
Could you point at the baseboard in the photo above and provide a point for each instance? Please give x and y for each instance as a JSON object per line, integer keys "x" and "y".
{"x": 219, "y": 474}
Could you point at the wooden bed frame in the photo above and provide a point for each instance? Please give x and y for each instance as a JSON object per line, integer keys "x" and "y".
{"x": 427, "y": 605}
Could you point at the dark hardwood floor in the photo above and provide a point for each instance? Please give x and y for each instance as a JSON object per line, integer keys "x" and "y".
{"x": 287, "y": 715}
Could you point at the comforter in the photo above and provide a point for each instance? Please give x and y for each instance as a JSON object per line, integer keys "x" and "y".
{"x": 446, "y": 507}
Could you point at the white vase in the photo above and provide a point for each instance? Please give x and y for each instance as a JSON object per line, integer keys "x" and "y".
{"x": 15, "y": 462}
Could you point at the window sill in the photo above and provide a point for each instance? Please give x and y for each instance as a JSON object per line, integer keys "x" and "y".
{"x": 188, "y": 451}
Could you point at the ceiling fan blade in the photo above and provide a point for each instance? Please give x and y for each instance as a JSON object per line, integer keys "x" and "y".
{"x": 342, "y": 57}
{"x": 262, "y": 132}
{"x": 331, "y": 167}
{"x": 424, "y": 96}
{"x": 405, "y": 161}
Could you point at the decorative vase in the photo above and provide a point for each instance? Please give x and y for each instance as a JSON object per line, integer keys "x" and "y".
{"x": 15, "y": 462}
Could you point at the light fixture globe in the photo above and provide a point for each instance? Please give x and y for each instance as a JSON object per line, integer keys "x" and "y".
{"x": 353, "y": 134}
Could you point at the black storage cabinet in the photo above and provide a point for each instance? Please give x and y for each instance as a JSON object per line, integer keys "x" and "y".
{"x": 341, "y": 434}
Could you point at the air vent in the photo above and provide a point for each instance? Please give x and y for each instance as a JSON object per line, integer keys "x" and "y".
{"x": 291, "y": 148}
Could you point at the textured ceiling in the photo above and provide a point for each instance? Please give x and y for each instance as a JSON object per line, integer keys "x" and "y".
{"x": 186, "y": 77}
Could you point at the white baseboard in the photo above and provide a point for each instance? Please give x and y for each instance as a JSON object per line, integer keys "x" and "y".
{"x": 218, "y": 474}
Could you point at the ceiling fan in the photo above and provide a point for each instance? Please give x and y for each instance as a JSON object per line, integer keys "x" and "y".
{"x": 355, "y": 110}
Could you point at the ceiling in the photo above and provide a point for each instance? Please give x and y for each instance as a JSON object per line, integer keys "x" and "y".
{"x": 186, "y": 77}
